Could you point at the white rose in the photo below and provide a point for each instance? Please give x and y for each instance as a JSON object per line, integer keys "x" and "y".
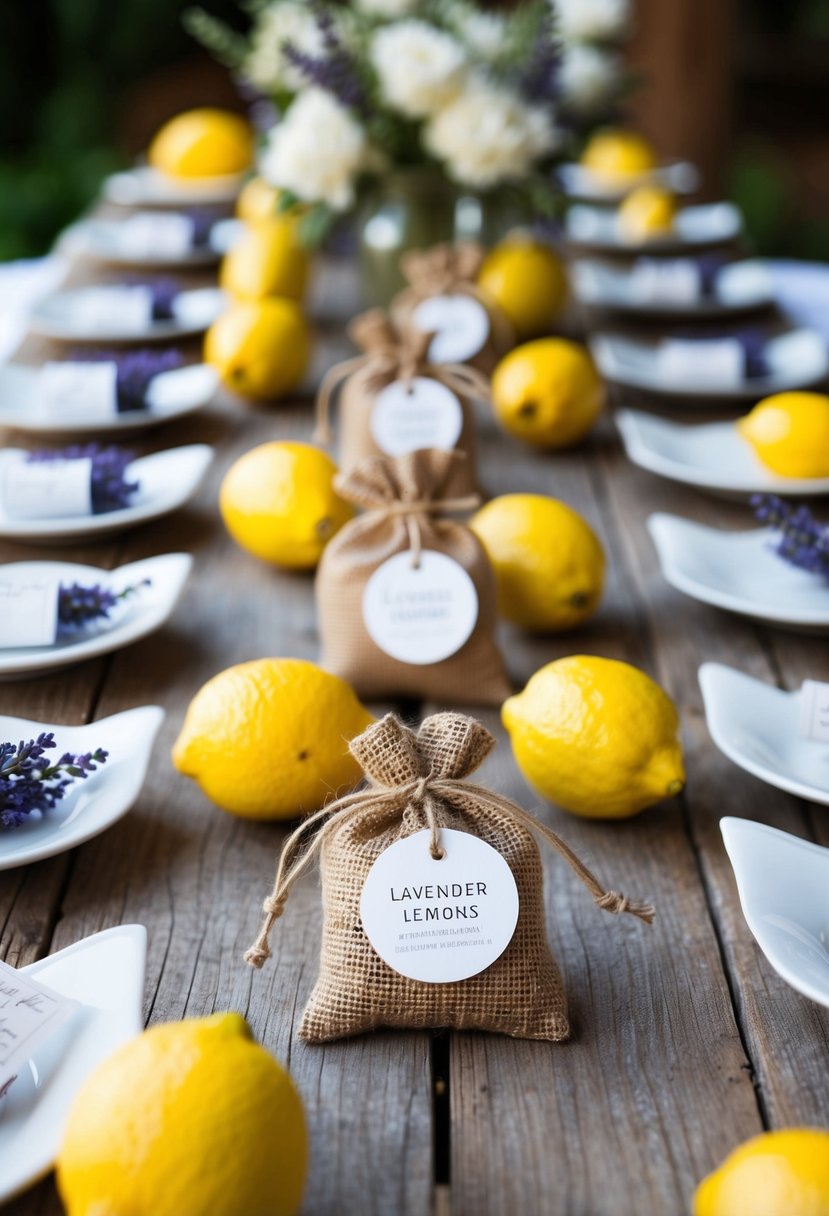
{"x": 589, "y": 77}
{"x": 484, "y": 34}
{"x": 390, "y": 9}
{"x": 419, "y": 67}
{"x": 585, "y": 19}
{"x": 317, "y": 151}
{"x": 489, "y": 135}
{"x": 267, "y": 66}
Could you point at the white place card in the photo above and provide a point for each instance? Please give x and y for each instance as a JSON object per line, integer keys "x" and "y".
{"x": 420, "y": 614}
{"x": 29, "y": 1014}
{"x": 665, "y": 281}
{"x": 156, "y": 234}
{"x": 421, "y": 414}
{"x": 717, "y": 361}
{"x": 117, "y": 308}
{"x": 813, "y": 721}
{"x": 53, "y": 489}
{"x": 78, "y": 392}
{"x": 28, "y": 610}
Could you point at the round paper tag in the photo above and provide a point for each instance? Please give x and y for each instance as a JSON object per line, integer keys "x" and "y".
{"x": 439, "y": 920}
{"x": 422, "y": 414}
{"x": 460, "y": 325}
{"x": 420, "y": 614}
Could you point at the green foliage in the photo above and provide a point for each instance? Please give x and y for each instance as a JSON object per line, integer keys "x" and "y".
{"x": 764, "y": 187}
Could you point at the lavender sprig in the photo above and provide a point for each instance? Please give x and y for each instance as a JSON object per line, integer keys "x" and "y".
{"x": 110, "y": 489}
{"x": 79, "y": 605}
{"x": 335, "y": 70}
{"x": 804, "y": 542}
{"x": 135, "y": 370}
{"x": 29, "y": 783}
{"x": 540, "y": 78}
{"x": 203, "y": 218}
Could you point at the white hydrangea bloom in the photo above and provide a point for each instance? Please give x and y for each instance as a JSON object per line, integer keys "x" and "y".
{"x": 489, "y": 135}
{"x": 266, "y": 66}
{"x": 586, "y": 19}
{"x": 589, "y": 77}
{"x": 419, "y": 67}
{"x": 317, "y": 151}
{"x": 391, "y": 10}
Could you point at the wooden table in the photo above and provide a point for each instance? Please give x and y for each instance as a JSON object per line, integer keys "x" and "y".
{"x": 685, "y": 1042}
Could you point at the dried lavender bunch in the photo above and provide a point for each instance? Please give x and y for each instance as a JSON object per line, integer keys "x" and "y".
{"x": 29, "y": 783}
{"x": 79, "y": 605}
{"x": 336, "y": 69}
{"x": 136, "y": 368}
{"x": 110, "y": 489}
{"x": 540, "y": 78}
{"x": 803, "y": 541}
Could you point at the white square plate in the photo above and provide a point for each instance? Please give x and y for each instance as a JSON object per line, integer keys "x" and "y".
{"x": 738, "y": 288}
{"x": 55, "y": 317}
{"x": 585, "y": 185}
{"x": 694, "y": 228}
{"x": 144, "y": 186}
{"x": 102, "y": 240}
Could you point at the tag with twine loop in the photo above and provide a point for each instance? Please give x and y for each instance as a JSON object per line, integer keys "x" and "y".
{"x": 416, "y": 781}
{"x": 392, "y": 352}
{"x": 405, "y": 501}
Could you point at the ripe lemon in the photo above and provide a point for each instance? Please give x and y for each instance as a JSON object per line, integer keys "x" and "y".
{"x": 188, "y": 1118}
{"x": 596, "y": 736}
{"x": 789, "y": 433}
{"x": 258, "y": 200}
{"x": 268, "y": 260}
{"x": 548, "y": 562}
{"x": 268, "y": 739}
{"x": 781, "y": 1173}
{"x": 202, "y": 143}
{"x": 647, "y": 212}
{"x": 259, "y": 348}
{"x": 547, "y": 392}
{"x": 617, "y": 154}
{"x": 278, "y": 502}
{"x": 527, "y": 280}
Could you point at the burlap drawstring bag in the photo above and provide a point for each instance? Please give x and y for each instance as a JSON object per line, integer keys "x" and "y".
{"x": 404, "y": 499}
{"x": 392, "y": 353}
{"x": 416, "y": 782}
{"x": 450, "y": 270}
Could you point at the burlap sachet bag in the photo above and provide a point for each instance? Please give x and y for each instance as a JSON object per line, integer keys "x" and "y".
{"x": 446, "y": 273}
{"x": 416, "y": 782}
{"x": 405, "y": 500}
{"x": 395, "y": 355}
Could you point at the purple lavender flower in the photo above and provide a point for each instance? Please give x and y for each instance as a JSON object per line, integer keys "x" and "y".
{"x": 79, "y": 605}
{"x": 540, "y": 78}
{"x": 29, "y": 783}
{"x": 335, "y": 70}
{"x": 804, "y": 542}
{"x": 110, "y": 489}
{"x": 709, "y": 266}
{"x": 203, "y": 218}
{"x": 136, "y": 368}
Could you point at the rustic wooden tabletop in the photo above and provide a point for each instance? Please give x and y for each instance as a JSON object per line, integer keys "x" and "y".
{"x": 685, "y": 1042}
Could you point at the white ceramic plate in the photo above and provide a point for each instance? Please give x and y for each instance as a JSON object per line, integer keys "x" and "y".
{"x": 90, "y": 805}
{"x": 757, "y": 727}
{"x": 193, "y": 312}
{"x": 782, "y": 883}
{"x": 166, "y": 481}
{"x": 134, "y": 618}
{"x": 740, "y": 572}
{"x": 103, "y": 240}
{"x": 145, "y": 186}
{"x": 694, "y": 228}
{"x": 105, "y": 973}
{"x": 796, "y": 360}
{"x": 738, "y": 287}
{"x": 585, "y": 185}
{"x": 711, "y": 456}
{"x": 170, "y": 395}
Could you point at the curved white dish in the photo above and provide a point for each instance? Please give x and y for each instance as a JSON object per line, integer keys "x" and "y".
{"x": 711, "y": 456}
{"x": 193, "y": 312}
{"x": 91, "y": 805}
{"x": 796, "y": 360}
{"x": 585, "y": 185}
{"x": 133, "y": 619}
{"x": 782, "y": 883}
{"x": 102, "y": 239}
{"x": 145, "y": 186}
{"x": 694, "y": 228}
{"x": 166, "y": 481}
{"x": 105, "y": 973}
{"x": 739, "y": 572}
{"x": 739, "y": 287}
{"x": 757, "y": 727}
{"x": 170, "y": 395}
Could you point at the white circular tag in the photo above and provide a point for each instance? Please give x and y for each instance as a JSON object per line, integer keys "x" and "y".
{"x": 420, "y": 614}
{"x": 439, "y": 920}
{"x": 422, "y": 414}
{"x": 460, "y": 325}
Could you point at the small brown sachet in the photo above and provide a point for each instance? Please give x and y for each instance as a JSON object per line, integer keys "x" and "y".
{"x": 406, "y": 597}
{"x": 443, "y": 299}
{"x": 418, "y": 806}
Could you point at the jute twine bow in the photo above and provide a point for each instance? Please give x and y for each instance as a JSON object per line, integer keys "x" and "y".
{"x": 397, "y": 350}
{"x": 426, "y": 792}
{"x": 451, "y": 269}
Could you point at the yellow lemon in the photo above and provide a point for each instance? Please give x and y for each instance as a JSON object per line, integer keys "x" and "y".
{"x": 268, "y": 260}
{"x": 547, "y": 392}
{"x": 258, "y": 200}
{"x": 202, "y": 143}
{"x": 617, "y": 154}
{"x": 647, "y": 212}
{"x": 268, "y": 739}
{"x": 260, "y": 348}
{"x": 789, "y": 433}
{"x": 278, "y": 502}
{"x": 527, "y": 280}
{"x": 781, "y": 1173}
{"x": 596, "y": 736}
{"x": 548, "y": 562}
{"x": 190, "y": 1117}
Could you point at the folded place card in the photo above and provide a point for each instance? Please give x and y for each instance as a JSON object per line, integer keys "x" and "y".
{"x": 814, "y": 711}
{"x": 28, "y": 610}
{"x": 129, "y": 309}
{"x": 29, "y": 1014}
{"x": 78, "y": 392}
{"x": 665, "y": 281}
{"x": 719, "y": 361}
{"x": 150, "y": 234}
{"x": 54, "y": 489}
